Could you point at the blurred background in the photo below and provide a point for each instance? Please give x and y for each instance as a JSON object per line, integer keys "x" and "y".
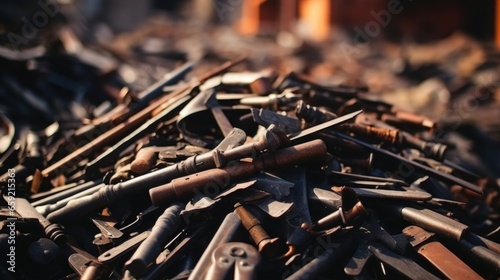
{"x": 412, "y": 20}
{"x": 438, "y": 58}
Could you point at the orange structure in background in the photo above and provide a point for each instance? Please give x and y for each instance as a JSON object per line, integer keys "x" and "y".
{"x": 497, "y": 23}
{"x": 250, "y": 17}
{"x": 418, "y": 20}
{"x": 313, "y": 14}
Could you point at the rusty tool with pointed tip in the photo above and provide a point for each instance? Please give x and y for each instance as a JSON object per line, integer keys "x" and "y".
{"x": 322, "y": 126}
{"x": 427, "y": 246}
{"x": 401, "y": 264}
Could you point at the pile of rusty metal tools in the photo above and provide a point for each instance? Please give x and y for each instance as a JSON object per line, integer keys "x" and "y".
{"x": 246, "y": 175}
